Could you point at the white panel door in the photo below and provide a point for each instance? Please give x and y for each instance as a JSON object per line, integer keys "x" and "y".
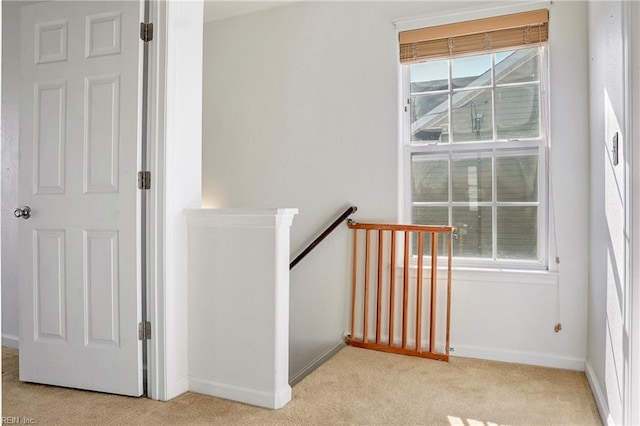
{"x": 79, "y": 154}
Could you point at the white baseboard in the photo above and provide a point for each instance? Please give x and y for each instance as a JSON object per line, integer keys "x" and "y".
{"x": 598, "y": 394}
{"x": 10, "y": 341}
{"x": 313, "y": 365}
{"x": 177, "y": 387}
{"x": 530, "y": 358}
{"x": 273, "y": 400}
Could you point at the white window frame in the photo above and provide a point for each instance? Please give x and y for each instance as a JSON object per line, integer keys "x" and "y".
{"x": 448, "y": 149}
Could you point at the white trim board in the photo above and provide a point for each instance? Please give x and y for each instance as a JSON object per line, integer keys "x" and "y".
{"x": 298, "y": 376}
{"x": 10, "y": 340}
{"x": 598, "y": 395}
{"x": 156, "y": 360}
{"x": 530, "y": 358}
{"x": 467, "y": 14}
{"x": 265, "y": 399}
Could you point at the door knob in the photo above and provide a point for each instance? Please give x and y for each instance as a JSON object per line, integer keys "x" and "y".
{"x": 24, "y": 212}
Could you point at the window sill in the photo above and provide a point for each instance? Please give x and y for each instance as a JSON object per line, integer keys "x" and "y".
{"x": 497, "y": 275}
{"x": 491, "y": 275}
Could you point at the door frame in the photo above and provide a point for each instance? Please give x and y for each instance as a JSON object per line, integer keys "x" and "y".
{"x": 174, "y": 158}
{"x": 631, "y": 15}
{"x": 631, "y": 42}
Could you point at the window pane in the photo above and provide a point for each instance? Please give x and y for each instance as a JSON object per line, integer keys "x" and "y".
{"x": 518, "y": 233}
{"x": 517, "y": 66}
{"x": 471, "y": 179}
{"x": 475, "y": 233}
{"x": 517, "y": 178}
{"x": 472, "y": 116}
{"x": 487, "y": 97}
{"x": 429, "y": 76}
{"x": 517, "y": 112}
{"x": 429, "y": 216}
{"x": 429, "y": 180}
{"x": 471, "y": 71}
{"x": 430, "y": 118}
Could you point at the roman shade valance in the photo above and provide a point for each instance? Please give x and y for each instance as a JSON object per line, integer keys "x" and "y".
{"x": 480, "y": 35}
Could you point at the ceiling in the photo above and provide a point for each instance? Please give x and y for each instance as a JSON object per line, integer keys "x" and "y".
{"x": 215, "y": 10}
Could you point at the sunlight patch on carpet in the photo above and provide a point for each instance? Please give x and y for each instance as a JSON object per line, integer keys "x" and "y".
{"x": 457, "y": 421}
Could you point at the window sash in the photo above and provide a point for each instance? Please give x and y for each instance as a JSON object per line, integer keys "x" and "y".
{"x": 456, "y": 95}
{"x": 493, "y": 149}
{"x": 535, "y": 148}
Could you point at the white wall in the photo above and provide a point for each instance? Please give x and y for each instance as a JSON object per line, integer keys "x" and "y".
{"x": 609, "y": 296}
{"x": 569, "y": 115}
{"x": 288, "y": 124}
{"x": 9, "y": 201}
{"x": 300, "y": 110}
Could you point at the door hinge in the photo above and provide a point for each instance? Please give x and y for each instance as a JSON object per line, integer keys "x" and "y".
{"x": 146, "y": 31}
{"x": 144, "y": 180}
{"x": 144, "y": 330}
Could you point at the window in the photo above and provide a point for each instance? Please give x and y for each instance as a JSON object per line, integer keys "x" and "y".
{"x": 475, "y": 153}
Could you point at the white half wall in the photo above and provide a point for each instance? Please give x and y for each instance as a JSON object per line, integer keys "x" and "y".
{"x": 239, "y": 304}
{"x": 301, "y": 105}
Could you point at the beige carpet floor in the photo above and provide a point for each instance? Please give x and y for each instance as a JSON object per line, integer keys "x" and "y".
{"x": 356, "y": 386}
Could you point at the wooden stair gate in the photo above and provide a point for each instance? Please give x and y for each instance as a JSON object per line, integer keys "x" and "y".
{"x": 390, "y": 311}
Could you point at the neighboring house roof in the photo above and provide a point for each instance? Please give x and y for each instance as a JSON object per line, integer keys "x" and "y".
{"x": 503, "y": 68}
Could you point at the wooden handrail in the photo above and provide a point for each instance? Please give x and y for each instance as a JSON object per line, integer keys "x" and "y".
{"x": 348, "y": 212}
{"x": 395, "y": 227}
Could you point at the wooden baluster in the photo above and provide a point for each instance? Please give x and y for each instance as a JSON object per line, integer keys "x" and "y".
{"x": 367, "y": 251}
{"x": 449, "y": 253}
{"x": 379, "y": 293}
{"x": 354, "y": 281}
{"x": 392, "y": 287}
{"x": 419, "y": 293}
{"x": 405, "y": 293}
{"x": 434, "y": 277}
